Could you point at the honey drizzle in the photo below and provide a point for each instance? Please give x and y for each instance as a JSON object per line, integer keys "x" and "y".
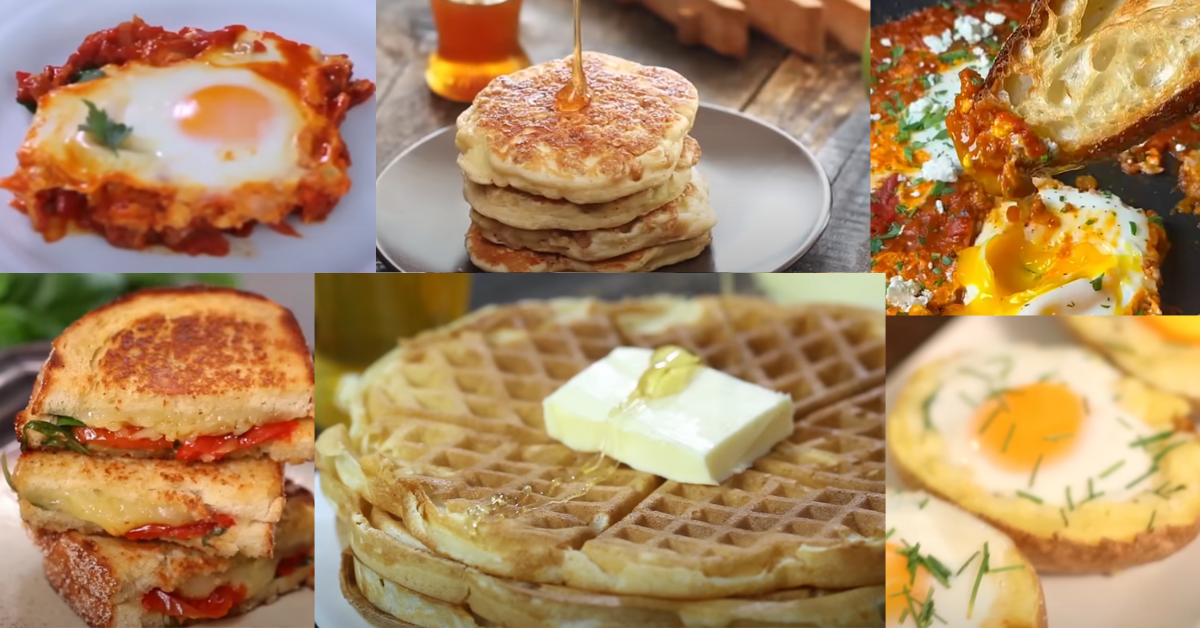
{"x": 574, "y": 95}
{"x": 671, "y": 370}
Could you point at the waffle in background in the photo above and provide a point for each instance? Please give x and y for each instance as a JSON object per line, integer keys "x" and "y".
{"x": 454, "y": 416}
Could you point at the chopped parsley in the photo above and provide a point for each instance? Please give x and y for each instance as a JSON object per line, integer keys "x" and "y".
{"x": 1132, "y": 227}
{"x": 1098, "y": 282}
{"x": 103, "y": 129}
{"x": 877, "y": 242}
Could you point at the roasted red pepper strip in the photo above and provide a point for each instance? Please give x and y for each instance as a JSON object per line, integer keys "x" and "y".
{"x": 215, "y": 606}
{"x": 288, "y": 566}
{"x": 220, "y": 446}
{"x": 181, "y": 533}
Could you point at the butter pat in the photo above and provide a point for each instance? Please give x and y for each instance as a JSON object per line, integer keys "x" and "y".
{"x": 717, "y": 426}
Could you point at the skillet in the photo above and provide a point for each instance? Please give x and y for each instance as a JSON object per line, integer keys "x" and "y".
{"x": 1180, "y": 292}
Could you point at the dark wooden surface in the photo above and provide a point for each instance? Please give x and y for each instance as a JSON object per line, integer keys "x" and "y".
{"x": 906, "y": 334}
{"x": 823, "y": 103}
{"x": 487, "y": 289}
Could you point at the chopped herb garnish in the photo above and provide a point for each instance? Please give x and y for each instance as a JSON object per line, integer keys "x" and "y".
{"x": 889, "y": 534}
{"x": 1070, "y": 504}
{"x": 1057, "y": 437}
{"x": 1008, "y": 439}
{"x": 58, "y": 435}
{"x": 924, "y": 502}
{"x": 1033, "y": 498}
{"x": 1152, "y": 471}
{"x": 1109, "y": 471}
{"x": 1098, "y": 282}
{"x": 995, "y": 413}
{"x": 1165, "y": 450}
{"x": 983, "y": 568}
{"x": 954, "y": 55}
{"x": 1066, "y": 524}
{"x": 877, "y": 242}
{"x": 925, "y": 406}
{"x": 1007, "y": 568}
{"x": 1033, "y": 475}
{"x": 1142, "y": 442}
{"x": 104, "y": 130}
{"x": 1155, "y": 220}
{"x": 1132, "y": 227}
{"x": 1150, "y": 527}
{"x": 964, "y": 567}
{"x": 88, "y": 75}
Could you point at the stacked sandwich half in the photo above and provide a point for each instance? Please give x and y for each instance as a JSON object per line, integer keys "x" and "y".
{"x": 151, "y": 473}
{"x": 608, "y": 188}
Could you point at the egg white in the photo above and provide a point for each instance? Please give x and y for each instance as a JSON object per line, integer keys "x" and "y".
{"x": 952, "y": 536}
{"x": 1104, "y": 438}
{"x": 157, "y": 152}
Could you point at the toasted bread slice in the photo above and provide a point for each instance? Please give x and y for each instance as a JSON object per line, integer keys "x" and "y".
{"x": 105, "y": 580}
{"x": 1092, "y": 78}
{"x": 223, "y": 508}
{"x": 177, "y": 364}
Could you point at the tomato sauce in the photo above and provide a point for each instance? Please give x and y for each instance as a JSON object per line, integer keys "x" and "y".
{"x": 180, "y": 533}
{"x": 215, "y": 606}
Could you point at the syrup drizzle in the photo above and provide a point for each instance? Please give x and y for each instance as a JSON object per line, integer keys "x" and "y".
{"x": 671, "y": 370}
{"x": 574, "y": 95}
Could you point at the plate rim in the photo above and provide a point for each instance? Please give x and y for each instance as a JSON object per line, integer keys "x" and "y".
{"x": 826, "y": 210}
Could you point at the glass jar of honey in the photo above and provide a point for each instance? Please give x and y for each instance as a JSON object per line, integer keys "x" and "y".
{"x": 361, "y": 316}
{"x": 477, "y": 41}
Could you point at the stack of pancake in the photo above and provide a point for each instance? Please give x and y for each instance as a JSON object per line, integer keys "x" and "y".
{"x": 451, "y": 422}
{"x": 608, "y": 188}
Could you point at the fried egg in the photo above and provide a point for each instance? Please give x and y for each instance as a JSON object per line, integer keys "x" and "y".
{"x": 943, "y": 562}
{"x": 214, "y": 121}
{"x": 1085, "y": 468}
{"x": 1084, "y": 253}
{"x": 1162, "y": 349}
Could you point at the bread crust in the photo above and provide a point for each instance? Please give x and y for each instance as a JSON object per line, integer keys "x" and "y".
{"x": 180, "y": 361}
{"x": 1165, "y": 107}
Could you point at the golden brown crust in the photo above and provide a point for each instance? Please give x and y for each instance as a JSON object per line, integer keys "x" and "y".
{"x": 1136, "y": 116}
{"x": 1058, "y": 555}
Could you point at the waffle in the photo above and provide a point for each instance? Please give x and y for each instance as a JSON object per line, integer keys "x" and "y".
{"x": 399, "y": 575}
{"x": 454, "y": 416}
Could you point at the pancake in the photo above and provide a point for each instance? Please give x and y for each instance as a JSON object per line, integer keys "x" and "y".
{"x": 627, "y": 139}
{"x": 526, "y": 211}
{"x": 497, "y": 258}
{"x": 687, "y": 217}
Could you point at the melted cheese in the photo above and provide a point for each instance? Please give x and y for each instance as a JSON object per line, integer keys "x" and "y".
{"x": 114, "y": 514}
{"x": 254, "y": 574}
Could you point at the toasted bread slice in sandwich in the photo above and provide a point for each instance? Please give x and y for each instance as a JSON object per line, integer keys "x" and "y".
{"x": 1080, "y": 80}
{"x": 222, "y": 508}
{"x": 112, "y": 583}
{"x": 190, "y": 373}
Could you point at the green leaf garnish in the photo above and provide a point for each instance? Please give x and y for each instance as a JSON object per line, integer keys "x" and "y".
{"x": 104, "y": 130}
{"x": 66, "y": 420}
{"x": 983, "y": 568}
{"x": 1109, "y": 471}
{"x": 1033, "y": 498}
{"x": 57, "y": 436}
{"x": 1142, "y": 442}
{"x": 88, "y": 75}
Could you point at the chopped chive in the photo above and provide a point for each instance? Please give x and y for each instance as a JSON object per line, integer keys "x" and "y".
{"x": 1150, "y": 528}
{"x": 1057, "y": 437}
{"x": 1122, "y": 422}
{"x": 964, "y": 567}
{"x": 1008, "y": 438}
{"x": 1158, "y": 491}
{"x": 983, "y": 567}
{"x": 1062, "y": 512}
{"x": 1033, "y": 475}
{"x": 926, "y": 405}
{"x": 1165, "y": 450}
{"x": 994, "y": 414}
{"x": 1142, "y": 442}
{"x": 1070, "y": 504}
{"x": 889, "y": 534}
{"x": 921, "y": 506}
{"x": 1033, "y": 498}
{"x": 1152, "y": 471}
{"x": 1091, "y": 491}
{"x": 1109, "y": 471}
{"x": 1008, "y": 568}
{"x": 973, "y": 373}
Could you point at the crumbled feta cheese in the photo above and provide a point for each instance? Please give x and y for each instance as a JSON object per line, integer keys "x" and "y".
{"x": 919, "y": 107}
{"x": 875, "y": 117}
{"x": 941, "y": 167}
{"x": 916, "y": 193}
{"x": 977, "y": 51}
{"x": 938, "y": 43}
{"x": 993, "y": 18}
{"x": 971, "y": 29}
{"x": 887, "y": 43}
{"x": 1180, "y": 148}
{"x": 941, "y": 208}
{"x": 905, "y": 293}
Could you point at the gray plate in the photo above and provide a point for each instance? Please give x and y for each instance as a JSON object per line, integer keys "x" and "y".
{"x": 771, "y": 197}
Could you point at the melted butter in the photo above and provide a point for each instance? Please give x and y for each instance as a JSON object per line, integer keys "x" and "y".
{"x": 574, "y": 96}
{"x": 671, "y": 369}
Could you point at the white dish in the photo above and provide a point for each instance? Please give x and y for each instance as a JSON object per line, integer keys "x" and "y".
{"x": 28, "y": 601}
{"x": 332, "y": 610}
{"x": 1158, "y": 595}
{"x": 46, "y": 32}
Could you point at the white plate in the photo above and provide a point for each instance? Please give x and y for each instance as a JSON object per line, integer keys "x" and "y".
{"x": 332, "y": 610}
{"x": 770, "y": 194}
{"x": 36, "y": 33}
{"x": 28, "y": 601}
{"x": 1158, "y": 595}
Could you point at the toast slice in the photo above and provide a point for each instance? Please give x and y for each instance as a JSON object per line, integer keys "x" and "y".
{"x": 1080, "y": 80}
{"x": 191, "y": 373}
{"x": 112, "y": 583}
{"x": 223, "y": 508}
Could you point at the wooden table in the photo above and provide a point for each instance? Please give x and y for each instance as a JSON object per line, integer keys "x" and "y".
{"x": 906, "y": 334}
{"x": 823, "y": 104}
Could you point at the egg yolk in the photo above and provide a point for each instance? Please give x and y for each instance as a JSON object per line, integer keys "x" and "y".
{"x": 224, "y": 113}
{"x": 1024, "y": 425}
{"x": 1181, "y": 329}
{"x": 899, "y": 578}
